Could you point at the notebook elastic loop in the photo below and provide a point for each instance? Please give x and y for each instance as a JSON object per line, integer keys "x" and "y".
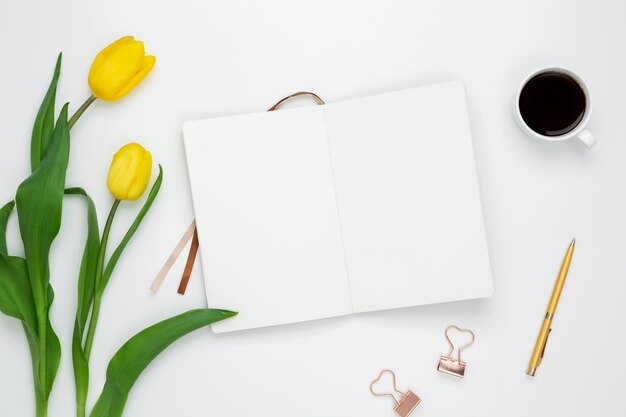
{"x": 317, "y": 99}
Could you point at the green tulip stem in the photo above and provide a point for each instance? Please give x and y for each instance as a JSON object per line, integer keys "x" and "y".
{"x": 41, "y": 406}
{"x": 42, "y": 325}
{"x": 95, "y": 312}
{"x": 80, "y": 111}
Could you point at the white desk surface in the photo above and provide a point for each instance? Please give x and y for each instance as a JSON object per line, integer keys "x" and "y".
{"x": 227, "y": 57}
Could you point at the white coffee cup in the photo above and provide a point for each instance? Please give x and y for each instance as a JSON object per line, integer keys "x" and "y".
{"x": 579, "y": 132}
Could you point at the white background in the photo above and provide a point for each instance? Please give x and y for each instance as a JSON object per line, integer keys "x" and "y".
{"x": 226, "y": 57}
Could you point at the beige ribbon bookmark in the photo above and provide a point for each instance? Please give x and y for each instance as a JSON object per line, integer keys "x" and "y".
{"x": 172, "y": 258}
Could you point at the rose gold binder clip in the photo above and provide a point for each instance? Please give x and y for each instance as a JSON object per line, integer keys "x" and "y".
{"x": 405, "y": 403}
{"x": 449, "y": 365}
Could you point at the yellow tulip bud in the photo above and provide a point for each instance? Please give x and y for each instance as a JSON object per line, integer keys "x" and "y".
{"x": 118, "y": 68}
{"x": 130, "y": 172}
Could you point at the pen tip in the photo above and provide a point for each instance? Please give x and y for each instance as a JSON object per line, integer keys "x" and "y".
{"x": 573, "y": 242}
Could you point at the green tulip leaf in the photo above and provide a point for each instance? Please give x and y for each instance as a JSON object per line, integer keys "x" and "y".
{"x": 136, "y": 354}
{"x": 44, "y": 122}
{"x": 33, "y": 346}
{"x": 5, "y": 213}
{"x": 53, "y": 350}
{"x": 86, "y": 289}
{"x": 81, "y": 368}
{"x": 106, "y": 275}
{"x": 39, "y": 201}
{"x": 16, "y": 299}
{"x": 86, "y": 277}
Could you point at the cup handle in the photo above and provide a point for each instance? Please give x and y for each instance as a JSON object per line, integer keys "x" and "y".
{"x": 587, "y": 138}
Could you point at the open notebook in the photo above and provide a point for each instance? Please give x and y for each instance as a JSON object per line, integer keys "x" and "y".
{"x": 354, "y": 206}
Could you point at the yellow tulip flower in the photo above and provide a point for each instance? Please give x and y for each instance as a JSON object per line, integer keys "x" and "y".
{"x": 118, "y": 68}
{"x": 130, "y": 172}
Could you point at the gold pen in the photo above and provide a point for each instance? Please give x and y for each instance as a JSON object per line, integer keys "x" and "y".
{"x": 540, "y": 345}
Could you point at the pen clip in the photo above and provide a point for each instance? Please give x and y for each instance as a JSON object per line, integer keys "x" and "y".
{"x": 543, "y": 349}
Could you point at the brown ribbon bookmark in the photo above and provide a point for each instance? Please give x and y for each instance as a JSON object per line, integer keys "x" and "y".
{"x": 193, "y": 250}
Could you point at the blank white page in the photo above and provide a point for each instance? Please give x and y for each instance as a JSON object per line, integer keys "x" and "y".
{"x": 267, "y": 217}
{"x": 408, "y": 198}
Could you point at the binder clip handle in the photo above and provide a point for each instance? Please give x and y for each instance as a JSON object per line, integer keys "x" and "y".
{"x": 460, "y": 348}
{"x": 390, "y": 394}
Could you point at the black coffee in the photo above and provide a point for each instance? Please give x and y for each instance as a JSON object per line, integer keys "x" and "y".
{"x": 552, "y": 103}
